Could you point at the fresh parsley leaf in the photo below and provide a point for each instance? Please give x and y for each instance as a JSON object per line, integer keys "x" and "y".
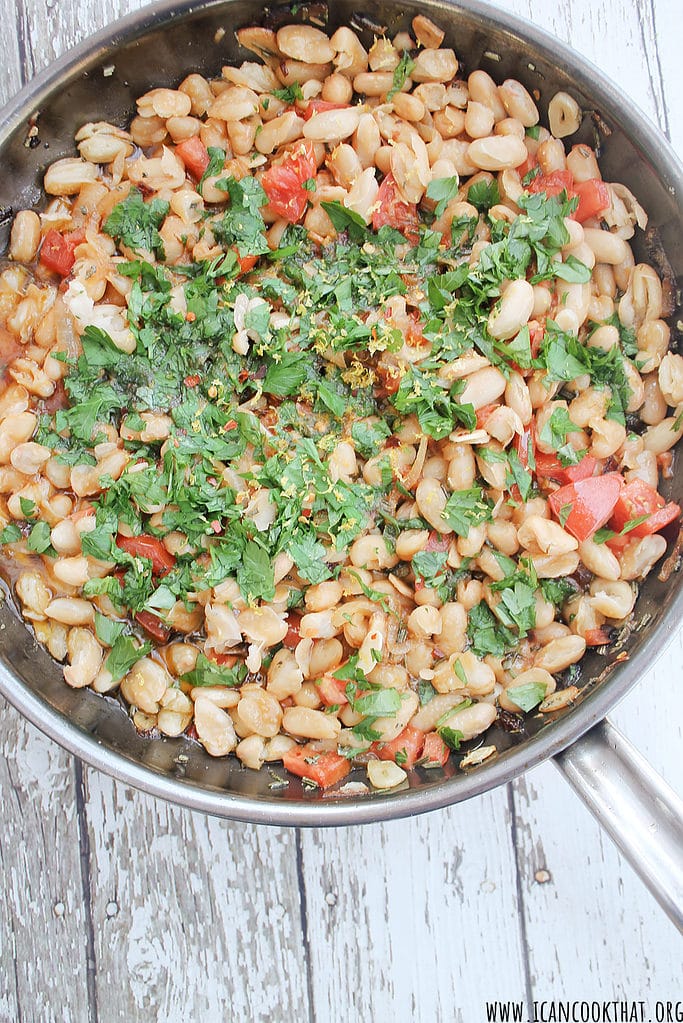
{"x": 214, "y": 166}
{"x": 451, "y": 736}
{"x": 428, "y": 565}
{"x": 565, "y": 512}
{"x": 285, "y": 377}
{"x": 135, "y": 223}
{"x": 378, "y": 703}
{"x": 207, "y": 673}
{"x": 527, "y": 696}
{"x": 486, "y": 634}
{"x": 425, "y": 691}
{"x": 483, "y": 195}
{"x": 572, "y": 270}
{"x": 255, "y": 576}
{"x": 124, "y": 654}
{"x": 107, "y": 630}
{"x": 368, "y": 436}
{"x": 557, "y": 591}
{"x": 290, "y": 94}
{"x": 467, "y": 508}
{"x": 519, "y": 475}
{"x": 344, "y": 219}
{"x": 402, "y": 72}
{"x": 442, "y": 190}
{"x": 241, "y": 224}
{"x": 555, "y": 429}
{"x": 28, "y": 507}
{"x": 10, "y": 534}
{"x": 309, "y": 557}
{"x": 39, "y": 539}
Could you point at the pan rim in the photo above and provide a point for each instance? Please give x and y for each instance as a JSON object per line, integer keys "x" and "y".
{"x": 370, "y": 808}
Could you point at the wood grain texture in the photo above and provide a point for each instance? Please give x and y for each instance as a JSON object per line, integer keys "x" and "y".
{"x": 429, "y": 894}
{"x": 43, "y": 915}
{"x": 190, "y": 911}
{"x": 117, "y": 907}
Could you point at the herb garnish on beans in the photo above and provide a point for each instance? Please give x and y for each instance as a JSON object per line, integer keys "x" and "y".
{"x": 334, "y": 408}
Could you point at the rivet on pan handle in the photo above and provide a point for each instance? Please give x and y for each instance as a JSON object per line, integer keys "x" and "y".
{"x": 639, "y": 811}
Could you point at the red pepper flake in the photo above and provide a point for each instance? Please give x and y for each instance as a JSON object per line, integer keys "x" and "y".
{"x": 190, "y": 317}
{"x": 192, "y": 381}
{"x": 216, "y": 526}
{"x": 230, "y": 425}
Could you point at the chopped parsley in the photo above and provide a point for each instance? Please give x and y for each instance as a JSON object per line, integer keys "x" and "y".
{"x": 135, "y": 223}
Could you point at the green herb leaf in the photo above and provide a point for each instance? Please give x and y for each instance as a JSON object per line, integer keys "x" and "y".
{"x": 107, "y": 630}
{"x": 483, "y": 195}
{"x": 467, "y": 508}
{"x": 290, "y": 94}
{"x": 135, "y": 223}
{"x": 344, "y": 219}
{"x": 285, "y": 377}
{"x": 207, "y": 673}
{"x": 368, "y": 437}
{"x": 214, "y": 166}
{"x": 28, "y": 507}
{"x": 255, "y": 576}
{"x": 527, "y": 696}
{"x": 124, "y": 655}
{"x": 10, "y": 534}
{"x": 309, "y": 557}
{"x": 402, "y": 72}
{"x": 442, "y": 190}
{"x": 452, "y": 737}
{"x": 39, "y": 539}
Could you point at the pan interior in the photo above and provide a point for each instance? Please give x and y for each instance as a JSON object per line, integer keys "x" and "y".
{"x": 158, "y": 46}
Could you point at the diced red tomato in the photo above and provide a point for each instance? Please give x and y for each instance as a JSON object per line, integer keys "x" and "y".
{"x": 319, "y": 106}
{"x": 437, "y": 542}
{"x": 435, "y": 752}
{"x": 224, "y": 660}
{"x": 57, "y": 250}
{"x": 596, "y": 637}
{"x": 553, "y": 184}
{"x": 593, "y": 196}
{"x": 151, "y": 547}
{"x": 408, "y": 744}
{"x": 550, "y": 467}
{"x": 617, "y": 543}
{"x": 483, "y": 413}
{"x": 293, "y": 636}
{"x": 590, "y": 503}
{"x": 283, "y": 183}
{"x": 332, "y": 690}
{"x": 529, "y": 164}
{"x": 324, "y": 769}
{"x": 636, "y": 499}
{"x": 394, "y": 211}
{"x": 194, "y": 155}
{"x": 246, "y": 263}
{"x": 153, "y": 625}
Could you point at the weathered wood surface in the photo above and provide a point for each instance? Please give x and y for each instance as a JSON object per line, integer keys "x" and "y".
{"x": 117, "y": 907}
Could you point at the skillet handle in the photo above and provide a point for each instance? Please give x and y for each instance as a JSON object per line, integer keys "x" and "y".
{"x": 638, "y": 810}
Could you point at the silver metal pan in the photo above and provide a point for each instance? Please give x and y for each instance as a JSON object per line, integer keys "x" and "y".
{"x": 164, "y": 42}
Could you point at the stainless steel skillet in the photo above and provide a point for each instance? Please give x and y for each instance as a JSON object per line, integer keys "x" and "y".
{"x": 99, "y": 80}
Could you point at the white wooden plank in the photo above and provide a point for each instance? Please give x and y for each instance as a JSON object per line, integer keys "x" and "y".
{"x": 404, "y": 916}
{"x": 43, "y": 918}
{"x": 193, "y": 917}
{"x": 614, "y": 940}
